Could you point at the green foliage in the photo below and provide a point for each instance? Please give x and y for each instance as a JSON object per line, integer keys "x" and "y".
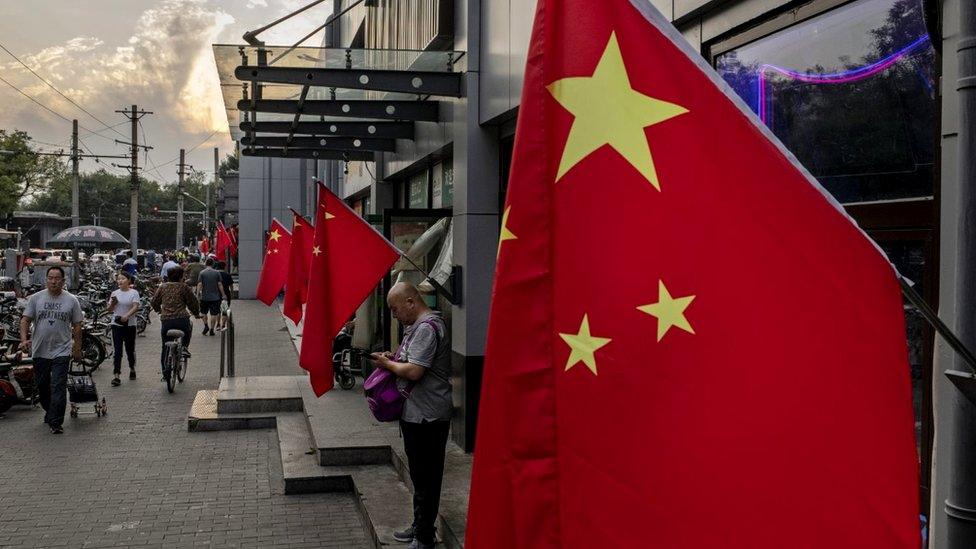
{"x": 230, "y": 163}
{"x": 23, "y": 172}
{"x": 107, "y": 196}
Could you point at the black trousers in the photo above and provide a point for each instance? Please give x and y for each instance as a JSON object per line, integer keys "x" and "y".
{"x": 123, "y": 337}
{"x": 182, "y": 323}
{"x": 51, "y": 375}
{"x": 425, "y": 444}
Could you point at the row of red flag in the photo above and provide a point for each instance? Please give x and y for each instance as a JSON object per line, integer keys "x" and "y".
{"x": 329, "y": 268}
{"x": 225, "y": 242}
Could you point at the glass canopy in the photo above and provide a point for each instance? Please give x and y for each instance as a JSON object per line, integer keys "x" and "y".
{"x": 229, "y": 57}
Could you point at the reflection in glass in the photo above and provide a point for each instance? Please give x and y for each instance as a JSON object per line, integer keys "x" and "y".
{"x": 851, "y": 94}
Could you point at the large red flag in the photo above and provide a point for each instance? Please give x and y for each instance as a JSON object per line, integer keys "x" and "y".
{"x": 296, "y": 285}
{"x": 348, "y": 259}
{"x": 690, "y": 345}
{"x": 274, "y": 269}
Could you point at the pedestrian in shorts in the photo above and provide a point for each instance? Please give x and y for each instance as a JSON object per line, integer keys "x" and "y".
{"x": 210, "y": 288}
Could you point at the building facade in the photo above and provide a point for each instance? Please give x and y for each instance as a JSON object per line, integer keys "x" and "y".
{"x": 851, "y": 87}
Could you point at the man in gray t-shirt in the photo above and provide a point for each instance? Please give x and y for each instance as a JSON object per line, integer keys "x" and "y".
{"x": 210, "y": 287}
{"x": 56, "y": 316}
{"x": 423, "y": 361}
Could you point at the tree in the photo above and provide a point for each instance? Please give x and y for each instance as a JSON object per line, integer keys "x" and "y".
{"x": 23, "y": 172}
{"x": 230, "y": 163}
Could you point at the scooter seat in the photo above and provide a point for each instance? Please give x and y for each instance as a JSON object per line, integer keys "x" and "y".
{"x": 174, "y": 333}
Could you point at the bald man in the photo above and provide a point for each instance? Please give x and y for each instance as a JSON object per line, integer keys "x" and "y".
{"x": 424, "y": 360}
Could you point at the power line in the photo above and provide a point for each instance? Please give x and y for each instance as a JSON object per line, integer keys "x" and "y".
{"x": 49, "y": 109}
{"x": 195, "y": 147}
{"x": 50, "y": 85}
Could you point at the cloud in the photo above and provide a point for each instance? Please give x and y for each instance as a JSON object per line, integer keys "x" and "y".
{"x": 251, "y": 4}
{"x": 166, "y": 66}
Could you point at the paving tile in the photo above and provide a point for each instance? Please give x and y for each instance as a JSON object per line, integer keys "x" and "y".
{"x": 137, "y": 478}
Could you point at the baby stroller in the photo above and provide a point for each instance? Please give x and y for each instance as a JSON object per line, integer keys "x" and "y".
{"x": 82, "y": 390}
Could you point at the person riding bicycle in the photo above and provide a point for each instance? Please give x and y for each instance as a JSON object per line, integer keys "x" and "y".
{"x": 174, "y": 301}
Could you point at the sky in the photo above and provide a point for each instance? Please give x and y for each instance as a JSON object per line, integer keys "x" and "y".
{"x": 107, "y": 55}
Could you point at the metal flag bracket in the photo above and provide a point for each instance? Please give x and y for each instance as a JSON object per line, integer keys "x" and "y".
{"x": 964, "y": 381}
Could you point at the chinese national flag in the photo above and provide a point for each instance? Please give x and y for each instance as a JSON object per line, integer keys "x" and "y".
{"x": 222, "y": 243}
{"x": 274, "y": 270}
{"x": 299, "y": 258}
{"x": 205, "y": 246}
{"x": 348, "y": 259}
{"x": 690, "y": 345}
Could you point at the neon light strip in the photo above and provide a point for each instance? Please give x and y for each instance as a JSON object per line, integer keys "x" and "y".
{"x": 842, "y": 77}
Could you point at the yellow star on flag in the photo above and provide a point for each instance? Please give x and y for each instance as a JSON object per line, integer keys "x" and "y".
{"x": 608, "y": 111}
{"x": 506, "y": 233}
{"x": 272, "y": 251}
{"x": 669, "y": 311}
{"x": 583, "y": 346}
{"x": 316, "y": 250}
{"x": 329, "y": 216}
{"x": 275, "y": 235}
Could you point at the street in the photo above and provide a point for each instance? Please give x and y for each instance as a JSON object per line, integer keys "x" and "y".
{"x": 138, "y": 478}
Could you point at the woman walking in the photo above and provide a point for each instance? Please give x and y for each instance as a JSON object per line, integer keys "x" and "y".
{"x": 124, "y": 303}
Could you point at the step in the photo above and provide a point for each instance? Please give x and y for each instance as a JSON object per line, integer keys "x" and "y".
{"x": 203, "y": 416}
{"x": 344, "y": 431}
{"x": 261, "y": 394}
{"x": 299, "y": 460}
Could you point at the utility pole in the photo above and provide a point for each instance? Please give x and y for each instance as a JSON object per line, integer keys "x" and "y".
{"x": 75, "y": 185}
{"x": 134, "y": 115}
{"x": 960, "y": 505}
{"x": 179, "y": 201}
{"x": 216, "y": 182}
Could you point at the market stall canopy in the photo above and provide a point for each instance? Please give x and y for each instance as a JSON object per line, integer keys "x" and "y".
{"x": 89, "y": 236}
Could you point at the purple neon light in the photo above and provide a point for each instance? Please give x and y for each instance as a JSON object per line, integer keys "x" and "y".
{"x": 843, "y": 77}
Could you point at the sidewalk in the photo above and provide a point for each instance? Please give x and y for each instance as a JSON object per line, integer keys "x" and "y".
{"x": 138, "y": 478}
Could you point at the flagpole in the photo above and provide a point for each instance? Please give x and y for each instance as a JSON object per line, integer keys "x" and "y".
{"x": 933, "y": 318}
{"x": 437, "y": 286}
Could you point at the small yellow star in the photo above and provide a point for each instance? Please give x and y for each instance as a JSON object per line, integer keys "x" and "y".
{"x": 329, "y": 216}
{"x": 272, "y": 251}
{"x": 505, "y": 233}
{"x": 583, "y": 346}
{"x": 608, "y": 111}
{"x": 669, "y": 311}
{"x": 275, "y": 235}
{"x": 316, "y": 251}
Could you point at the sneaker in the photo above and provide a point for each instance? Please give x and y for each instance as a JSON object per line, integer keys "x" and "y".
{"x": 56, "y": 430}
{"x": 116, "y": 382}
{"x": 205, "y": 330}
{"x": 417, "y": 544}
{"x": 132, "y": 374}
{"x": 405, "y": 535}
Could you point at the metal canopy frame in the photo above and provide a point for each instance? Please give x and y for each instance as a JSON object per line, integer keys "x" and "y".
{"x": 417, "y": 111}
{"x": 397, "y": 81}
{"x": 320, "y": 154}
{"x": 325, "y": 142}
{"x": 385, "y": 129}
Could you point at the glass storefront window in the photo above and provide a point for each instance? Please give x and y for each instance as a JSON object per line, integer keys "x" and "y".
{"x": 417, "y": 197}
{"x": 443, "y": 184}
{"x": 851, "y": 94}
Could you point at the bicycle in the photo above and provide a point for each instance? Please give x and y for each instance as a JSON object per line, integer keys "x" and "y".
{"x": 176, "y": 359}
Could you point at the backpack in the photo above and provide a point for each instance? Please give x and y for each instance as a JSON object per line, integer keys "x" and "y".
{"x": 383, "y": 395}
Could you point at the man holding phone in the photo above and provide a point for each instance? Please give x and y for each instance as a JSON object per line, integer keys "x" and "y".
{"x": 56, "y": 316}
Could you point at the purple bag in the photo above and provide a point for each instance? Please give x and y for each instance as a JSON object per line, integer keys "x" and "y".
{"x": 384, "y": 397}
{"x": 383, "y": 394}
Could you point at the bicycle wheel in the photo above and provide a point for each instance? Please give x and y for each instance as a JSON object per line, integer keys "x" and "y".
{"x": 171, "y": 365}
{"x": 181, "y": 373}
{"x": 92, "y": 351}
